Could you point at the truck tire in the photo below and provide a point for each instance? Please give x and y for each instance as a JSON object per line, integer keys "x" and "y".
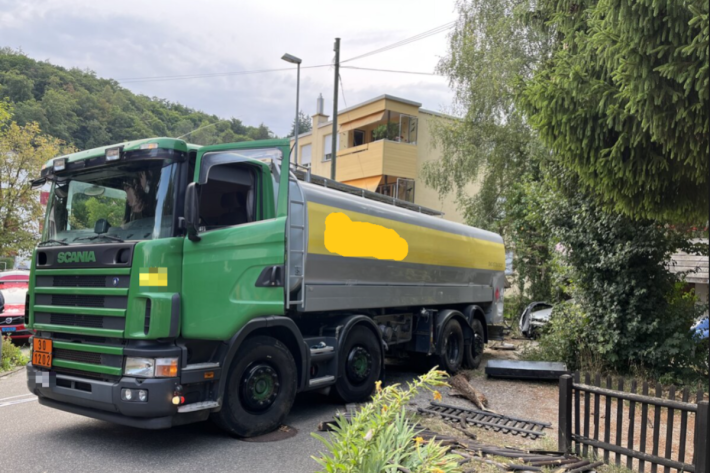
{"x": 260, "y": 390}
{"x": 359, "y": 366}
{"x": 451, "y": 350}
{"x": 474, "y": 350}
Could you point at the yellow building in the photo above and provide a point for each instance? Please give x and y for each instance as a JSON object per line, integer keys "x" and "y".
{"x": 382, "y": 145}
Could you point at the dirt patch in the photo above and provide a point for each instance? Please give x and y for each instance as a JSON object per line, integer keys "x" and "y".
{"x": 534, "y": 400}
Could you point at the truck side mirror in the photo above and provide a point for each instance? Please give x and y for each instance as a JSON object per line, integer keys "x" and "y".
{"x": 192, "y": 211}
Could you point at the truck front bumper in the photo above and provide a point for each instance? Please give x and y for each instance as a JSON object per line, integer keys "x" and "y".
{"x": 102, "y": 400}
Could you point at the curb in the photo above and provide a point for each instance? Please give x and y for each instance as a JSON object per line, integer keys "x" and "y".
{"x": 8, "y": 373}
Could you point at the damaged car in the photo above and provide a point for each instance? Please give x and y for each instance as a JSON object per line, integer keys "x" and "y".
{"x": 534, "y": 317}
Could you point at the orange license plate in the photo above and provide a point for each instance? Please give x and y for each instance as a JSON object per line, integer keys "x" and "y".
{"x": 42, "y": 352}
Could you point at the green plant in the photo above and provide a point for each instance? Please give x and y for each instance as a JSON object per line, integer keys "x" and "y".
{"x": 12, "y": 356}
{"x": 386, "y": 132}
{"x": 564, "y": 338}
{"x": 635, "y": 312}
{"x": 380, "y": 438}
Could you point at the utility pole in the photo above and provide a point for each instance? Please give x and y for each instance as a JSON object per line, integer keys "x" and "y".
{"x": 334, "y": 136}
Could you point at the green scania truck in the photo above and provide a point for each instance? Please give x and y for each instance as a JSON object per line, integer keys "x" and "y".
{"x": 176, "y": 283}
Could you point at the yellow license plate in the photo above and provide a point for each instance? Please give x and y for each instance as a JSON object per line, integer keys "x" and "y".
{"x": 42, "y": 352}
{"x": 42, "y": 359}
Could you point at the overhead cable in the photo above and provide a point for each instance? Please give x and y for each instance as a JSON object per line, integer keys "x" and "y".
{"x": 390, "y": 70}
{"x": 209, "y": 75}
{"x": 420, "y": 36}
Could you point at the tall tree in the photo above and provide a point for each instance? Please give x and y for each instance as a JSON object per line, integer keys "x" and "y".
{"x": 623, "y": 102}
{"x": 304, "y": 124}
{"x": 23, "y": 151}
{"x": 491, "y": 148}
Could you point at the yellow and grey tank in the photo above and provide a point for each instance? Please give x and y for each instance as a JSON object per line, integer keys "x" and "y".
{"x": 361, "y": 253}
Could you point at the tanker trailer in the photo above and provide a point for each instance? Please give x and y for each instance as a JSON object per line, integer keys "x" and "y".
{"x": 211, "y": 282}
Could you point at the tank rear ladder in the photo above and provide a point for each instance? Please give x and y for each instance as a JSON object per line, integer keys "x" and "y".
{"x": 296, "y": 244}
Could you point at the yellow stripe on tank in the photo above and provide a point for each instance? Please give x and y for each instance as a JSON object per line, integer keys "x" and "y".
{"x": 425, "y": 245}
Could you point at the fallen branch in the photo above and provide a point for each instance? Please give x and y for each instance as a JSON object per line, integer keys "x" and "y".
{"x": 460, "y": 384}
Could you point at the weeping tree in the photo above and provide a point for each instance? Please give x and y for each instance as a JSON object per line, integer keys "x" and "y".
{"x": 491, "y": 147}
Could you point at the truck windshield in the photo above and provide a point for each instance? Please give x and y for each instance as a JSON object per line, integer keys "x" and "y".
{"x": 136, "y": 199}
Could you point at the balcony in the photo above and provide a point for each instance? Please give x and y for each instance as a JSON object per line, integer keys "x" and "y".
{"x": 378, "y": 158}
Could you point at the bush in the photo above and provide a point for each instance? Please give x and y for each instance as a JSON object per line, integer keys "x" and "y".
{"x": 632, "y": 314}
{"x": 380, "y": 438}
{"x": 11, "y": 355}
{"x": 566, "y": 339}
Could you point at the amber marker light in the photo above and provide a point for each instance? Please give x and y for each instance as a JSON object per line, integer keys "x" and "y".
{"x": 166, "y": 367}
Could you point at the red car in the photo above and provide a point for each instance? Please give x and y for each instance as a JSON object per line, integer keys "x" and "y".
{"x": 13, "y": 286}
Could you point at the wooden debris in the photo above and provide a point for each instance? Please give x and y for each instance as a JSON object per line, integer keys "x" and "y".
{"x": 461, "y": 384}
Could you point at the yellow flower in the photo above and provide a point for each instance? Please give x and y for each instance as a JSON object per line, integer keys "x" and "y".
{"x": 437, "y": 396}
{"x": 378, "y": 385}
{"x": 419, "y": 440}
{"x": 437, "y": 470}
{"x": 384, "y": 409}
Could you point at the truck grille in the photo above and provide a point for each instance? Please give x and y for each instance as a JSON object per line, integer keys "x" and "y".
{"x": 79, "y": 320}
{"x": 73, "y": 355}
{"x": 73, "y": 293}
{"x": 79, "y": 281}
{"x": 78, "y": 300}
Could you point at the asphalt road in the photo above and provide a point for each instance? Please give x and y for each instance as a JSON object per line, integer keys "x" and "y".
{"x": 35, "y": 438}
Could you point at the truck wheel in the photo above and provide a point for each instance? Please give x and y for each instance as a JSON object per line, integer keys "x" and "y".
{"x": 261, "y": 387}
{"x": 474, "y": 350}
{"x": 451, "y": 351}
{"x": 359, "y": 366}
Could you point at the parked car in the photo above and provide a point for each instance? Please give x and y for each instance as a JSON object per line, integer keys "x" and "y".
{"x": 702, "y": 328}
{"x": 534, "y": 317}
{"x": 13, "y": 286}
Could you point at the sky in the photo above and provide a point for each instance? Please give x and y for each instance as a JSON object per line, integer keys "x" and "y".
{"x": 137, "y": 39}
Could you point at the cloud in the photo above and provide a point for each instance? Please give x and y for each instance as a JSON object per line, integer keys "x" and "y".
{"x": 134, "y": 38}
{"x": 362, "y": 239}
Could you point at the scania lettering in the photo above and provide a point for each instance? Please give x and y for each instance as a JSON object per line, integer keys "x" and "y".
{"x": 176, "y": 283}
{"x": 76, "y": 257}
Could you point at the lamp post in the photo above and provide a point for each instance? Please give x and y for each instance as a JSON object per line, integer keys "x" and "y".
{"x": 294, "y": 60}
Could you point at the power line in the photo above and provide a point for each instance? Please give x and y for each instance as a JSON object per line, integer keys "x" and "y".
{"x": 406, "y": 41}
{"x": 390, "y": 70}
{"x": 342, "y": 89}
{"x": 215, "y": 74}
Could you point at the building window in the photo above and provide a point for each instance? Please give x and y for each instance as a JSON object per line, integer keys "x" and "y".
{"x": 408, "y": 129}
{"x": 358, "y": 138}
{"x": 306, "y": 155}
{"x": 328, "y": 146}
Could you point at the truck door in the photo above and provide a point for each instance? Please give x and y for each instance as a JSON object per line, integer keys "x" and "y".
{"x": 232, "y": 268}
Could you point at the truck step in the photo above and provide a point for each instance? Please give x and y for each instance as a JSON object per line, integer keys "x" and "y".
{"x": 198, "y": 406}
{"x": 321, "y": 354}
{"x": 319, "y": 350}
{"x": 322, "y": 381}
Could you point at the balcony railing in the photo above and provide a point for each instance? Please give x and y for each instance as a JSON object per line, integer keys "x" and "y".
{"x": 378, "y": 158}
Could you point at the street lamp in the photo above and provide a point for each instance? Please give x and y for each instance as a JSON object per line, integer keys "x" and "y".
{"x": 294, "y": 60}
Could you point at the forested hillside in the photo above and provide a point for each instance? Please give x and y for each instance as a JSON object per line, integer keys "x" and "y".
{"x": 87, "y": 111}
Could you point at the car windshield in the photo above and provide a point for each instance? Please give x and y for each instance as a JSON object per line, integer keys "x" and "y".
{"x": 14, "y": 296}
{"x": 135, "y": 199}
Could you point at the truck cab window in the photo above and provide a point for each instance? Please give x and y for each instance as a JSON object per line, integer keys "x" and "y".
{"x": 227, "y": 199}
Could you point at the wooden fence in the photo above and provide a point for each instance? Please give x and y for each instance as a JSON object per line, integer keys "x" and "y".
{"x": 592, "y": 421}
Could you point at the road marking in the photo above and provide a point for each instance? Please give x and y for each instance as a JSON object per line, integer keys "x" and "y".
{"x": 13, "y": 397}
{"x": 12, "y": 400}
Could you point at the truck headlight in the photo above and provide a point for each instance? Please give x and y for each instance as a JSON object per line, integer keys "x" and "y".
{"x": 140, "y": 367}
